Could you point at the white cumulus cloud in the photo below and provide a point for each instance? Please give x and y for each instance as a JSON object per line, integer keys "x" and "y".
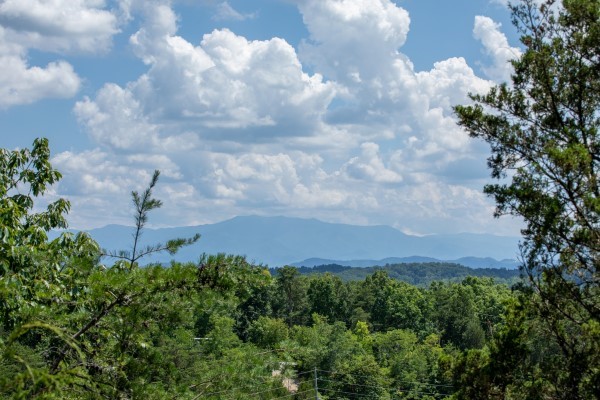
{"x": 21, "y": 83}
{"x": 225, "y": 84}
{"x": 496, "y": 46}
{"x": 357, "y": 43}
{"x": 240, "y": 126}
{"x": 63, "y": 26}
{"x": 369, "y": 166}
{"x": 348, "y": 37}
{"x": 59, "y": 25}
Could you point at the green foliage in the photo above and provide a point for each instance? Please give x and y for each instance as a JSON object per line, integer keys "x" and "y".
{"x": 33, "y": 271}
{"x": 240, "y": 373}
{"x": 393, "y": 304}
{"x": 418, "y": 274}
{"x": 358, "y": 376}
{"x": 415, "y": 365}
{"x": 36, "y": 275}
{"x": 290, "y": 296}
{"x": 327, "y": 296}
{"x": 72, "y": 328}
{"x": 468, "y": 313}
{"x": 225, "y": 273}
{"x": 543, "y": 133}
{"x": 68, "y": 323}
{"x": 268, "y": 332}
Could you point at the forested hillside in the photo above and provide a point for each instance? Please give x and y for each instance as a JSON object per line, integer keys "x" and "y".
{"x": 418, "y": 274}
{"x": 71, "y": 327}
{"x": 80, "y": 323}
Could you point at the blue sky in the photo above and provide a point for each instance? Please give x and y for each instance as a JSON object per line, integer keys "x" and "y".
{"x": 339, "y": 110}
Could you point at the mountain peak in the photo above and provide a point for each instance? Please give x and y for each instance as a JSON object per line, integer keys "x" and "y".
{"x": 281, "y": 240}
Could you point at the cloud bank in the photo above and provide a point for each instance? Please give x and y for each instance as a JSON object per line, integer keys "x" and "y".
{"x": 57, "y": 26}
{"x": 342, "y": 128}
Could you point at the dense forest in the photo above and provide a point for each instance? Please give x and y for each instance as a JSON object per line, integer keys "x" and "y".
{"x": 221, "y": 328}
{"x": 79, "y": 323}
{"x": 418, "y": 274}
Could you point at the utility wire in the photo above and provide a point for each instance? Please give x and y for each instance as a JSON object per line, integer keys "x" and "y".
{"x": 379, "y": 387}
{"x": 342, "y": 392}
{"x": 238, "y": 388}
{"x": 293, "y": 394}
{"x": 248, "y": 356}
{"x": 265, "y": 391}
{"x": 403, "y": 381}
{"x": 298, "y": 374}
{"x": 246, "y": 386}
{"x": 351, "y": 384}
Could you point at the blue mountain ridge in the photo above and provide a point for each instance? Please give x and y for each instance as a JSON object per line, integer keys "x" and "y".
{"x": 471, "y": 262}
{"x": 278, "y": 241}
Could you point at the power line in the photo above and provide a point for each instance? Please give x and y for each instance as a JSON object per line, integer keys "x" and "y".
{"x": 239, "y": 388}
{"x": 249, "y": 384}
{"x": 380, "y": 387}
{"x": 351, "y": 384}
{"x": 292, "y": 394}
{"x": 342, "y": 392}
{"x": 265, "y": 391}
{"x": 268, "y": 380}
{"x": 398, "y": 380}
{"x": 414, "y": 390}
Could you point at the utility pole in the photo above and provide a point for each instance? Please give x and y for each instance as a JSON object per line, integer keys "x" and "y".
{"x": 316, "y": 386}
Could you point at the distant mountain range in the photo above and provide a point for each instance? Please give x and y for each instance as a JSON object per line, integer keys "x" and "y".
{"x": 471, "y": 262}
{"x": 278, "y": 241}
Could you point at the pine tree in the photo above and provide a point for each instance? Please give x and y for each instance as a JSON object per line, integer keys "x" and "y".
{"x": 545, "y": 151}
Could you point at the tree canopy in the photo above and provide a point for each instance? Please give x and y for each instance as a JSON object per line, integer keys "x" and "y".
{"x": 73, "y": 328}
{"x": 542, "y": 129}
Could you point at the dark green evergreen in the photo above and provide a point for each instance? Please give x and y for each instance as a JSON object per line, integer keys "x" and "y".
{"x": 543, "y": 132}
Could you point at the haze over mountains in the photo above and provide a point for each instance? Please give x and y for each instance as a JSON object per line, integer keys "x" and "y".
{"x": 471, "y": 262}
{"x": 278, "y": 241}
